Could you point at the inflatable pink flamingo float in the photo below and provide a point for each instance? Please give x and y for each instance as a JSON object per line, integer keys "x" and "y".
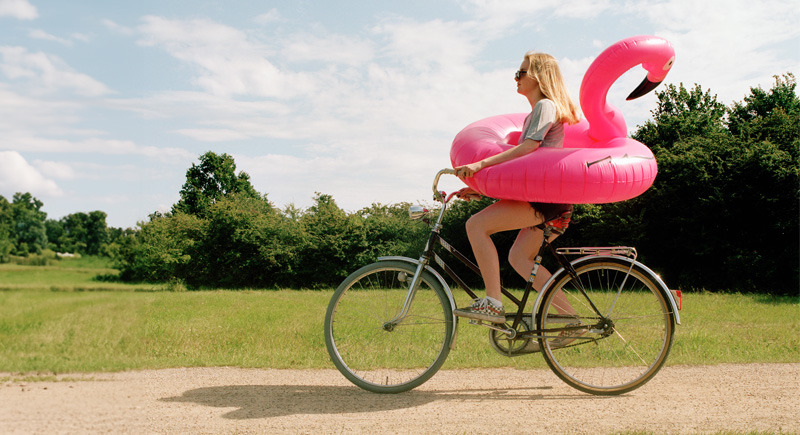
{"x": 598, "y": 163}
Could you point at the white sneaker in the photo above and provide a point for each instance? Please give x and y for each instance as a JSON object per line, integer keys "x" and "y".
{"x": 483, "y": 309}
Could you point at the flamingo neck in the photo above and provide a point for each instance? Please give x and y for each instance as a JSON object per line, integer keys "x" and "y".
{"x": 605, "y": 121}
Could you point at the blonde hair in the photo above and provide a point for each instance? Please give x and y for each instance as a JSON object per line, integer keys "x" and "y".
{"x": 544, "y": 68}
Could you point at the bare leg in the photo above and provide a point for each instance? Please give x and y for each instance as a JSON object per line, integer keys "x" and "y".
{"x": 521, "y": 256}
{"x": 504, "y": 215}
{"x": 523, "y": 252}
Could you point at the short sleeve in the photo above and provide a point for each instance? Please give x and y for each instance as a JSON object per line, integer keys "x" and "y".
{"x": 540, "y": 120}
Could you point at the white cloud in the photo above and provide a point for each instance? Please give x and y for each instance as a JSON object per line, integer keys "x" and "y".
{"x": 39, "y": 124}
{"x": 342, "y": 87}
{"x": 41, "y": 34}
{"x": 269, "y": 17}
{"x": 20, "y": 9}
{"x": 127, "y": 147}
{"x": 325, "y": 49}
{"x": 17, "y": 175}
{"x": 213, "y": 134}
{"x": 50, "y": 126}
{"x": 502, "y": 15}
{"x": 508, "y": 11}
{"x": 58, "y": 170}
{"x": 117, "y": 28}
{"x": 68, "y": 42}
{"x": 80, "y": 37}
{"x": 94, "y": 145}
{"x": 583, "y": 9}
{"x": 430, "y": 44}
{"x": 47, "y": 73}
{"x": 229, "y": 62}
{"x": 727, "y": 46}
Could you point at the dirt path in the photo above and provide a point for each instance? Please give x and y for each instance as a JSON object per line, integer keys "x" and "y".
{"x": 755, "y": 397}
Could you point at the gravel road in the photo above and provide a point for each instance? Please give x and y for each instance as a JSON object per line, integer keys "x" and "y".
{"x": 683, "y": 399}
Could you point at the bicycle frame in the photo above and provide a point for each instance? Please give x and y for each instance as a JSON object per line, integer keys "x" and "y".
{"x": 434, "y": 239}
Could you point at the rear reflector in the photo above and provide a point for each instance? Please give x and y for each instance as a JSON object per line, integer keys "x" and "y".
{"x": 678, "y": 298}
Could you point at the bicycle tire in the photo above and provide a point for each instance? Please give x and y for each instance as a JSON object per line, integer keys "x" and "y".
{"x": 627, "y": 346}
{"x": 382, "y": 357}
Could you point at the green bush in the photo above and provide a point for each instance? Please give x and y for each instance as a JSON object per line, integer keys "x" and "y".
{"x": 160, "y": 250}
{"x": 45, "y": 258}
{"x": 246, "y": 243}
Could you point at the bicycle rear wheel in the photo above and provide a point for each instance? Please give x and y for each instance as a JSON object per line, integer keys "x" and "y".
{"x": 620, "y": 349}
{"x": 374, "y": 350}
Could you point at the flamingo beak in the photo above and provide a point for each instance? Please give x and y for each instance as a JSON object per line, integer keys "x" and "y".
{"x": 643, "y": 88}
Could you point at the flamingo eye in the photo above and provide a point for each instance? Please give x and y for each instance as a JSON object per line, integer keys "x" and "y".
{"x": 669, "y": 63}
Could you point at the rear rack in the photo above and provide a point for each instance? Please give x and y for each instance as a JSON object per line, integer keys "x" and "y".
{"x": 626, "y": 251}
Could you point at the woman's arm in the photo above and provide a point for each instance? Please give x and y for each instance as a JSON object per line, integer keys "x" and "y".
{"x": 468, "y": 194}
{"x": 526, "y": 147}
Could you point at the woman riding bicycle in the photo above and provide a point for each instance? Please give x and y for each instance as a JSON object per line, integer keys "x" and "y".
{"x": 539, "y": 80}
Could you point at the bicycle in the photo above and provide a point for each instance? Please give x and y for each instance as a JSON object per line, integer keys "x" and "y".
{"x": 390, "y": 326}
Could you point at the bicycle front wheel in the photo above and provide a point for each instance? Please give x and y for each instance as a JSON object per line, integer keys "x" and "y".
{"x": 372, "y": 344}
{"x": 610, "y": 331}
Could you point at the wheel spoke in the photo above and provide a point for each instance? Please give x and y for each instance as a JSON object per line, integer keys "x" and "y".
{"x": 630, "y": 346}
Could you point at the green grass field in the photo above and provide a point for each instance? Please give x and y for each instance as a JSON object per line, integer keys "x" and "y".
{"x": 58, "y": 319}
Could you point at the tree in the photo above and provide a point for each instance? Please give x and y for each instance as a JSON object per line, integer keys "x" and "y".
{"x": 211, "y": 180}
{"x": 79, "y": 233}
{"x": 681, "y": 114}
{"x": 768, "y": 115}
{"x": 96, "y": 232}
{"x": 161, "y": 250}
{"x": 246, "y": 243}
{"x": 763, "y": 188}
{"x": 116, "y": 237}
{"x": 6, "y": 227}
{"x": 389, "y": 231}
{"x": 723, "y": 212}
{"x": 336, "y": 243}
{"x": 29, "y": 232}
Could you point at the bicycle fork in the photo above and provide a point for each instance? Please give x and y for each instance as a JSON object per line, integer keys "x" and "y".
{"x": 424, "y": 260}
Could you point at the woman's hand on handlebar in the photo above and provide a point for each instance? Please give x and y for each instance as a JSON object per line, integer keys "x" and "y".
{"x": 469, "y": 170}
{"x": 468, "y": 194}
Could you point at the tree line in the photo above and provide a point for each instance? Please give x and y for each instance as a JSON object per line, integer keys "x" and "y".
{"x": 722, "y": 214}
{"x": 25, "y": 231}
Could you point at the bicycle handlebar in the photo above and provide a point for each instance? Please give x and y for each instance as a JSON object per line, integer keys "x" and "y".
{"x": 436, "y": 194}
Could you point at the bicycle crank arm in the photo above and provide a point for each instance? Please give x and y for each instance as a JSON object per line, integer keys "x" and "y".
{"x": 511, "y": 333}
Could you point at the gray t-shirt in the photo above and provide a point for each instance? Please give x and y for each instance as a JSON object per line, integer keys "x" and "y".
{"x": 541, "y": 125}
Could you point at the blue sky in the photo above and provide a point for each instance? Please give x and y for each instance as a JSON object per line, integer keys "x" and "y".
{"x": 105, "y": 105}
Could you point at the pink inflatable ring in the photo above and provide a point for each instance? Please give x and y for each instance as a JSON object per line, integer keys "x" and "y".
{"x": 598, "y": 163}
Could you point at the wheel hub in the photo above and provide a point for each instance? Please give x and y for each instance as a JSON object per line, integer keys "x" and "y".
{"x": 606, "y": 326}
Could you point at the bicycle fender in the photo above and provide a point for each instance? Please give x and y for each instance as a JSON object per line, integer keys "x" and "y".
{"x": 659, "y": 282}
{"x": 666, "y": 290}
{"x": 432, "y": 272}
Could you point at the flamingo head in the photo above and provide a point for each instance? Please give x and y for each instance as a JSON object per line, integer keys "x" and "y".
{"x": 657, "y": 69}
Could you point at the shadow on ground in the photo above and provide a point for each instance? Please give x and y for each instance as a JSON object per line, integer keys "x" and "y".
{"x": 264, "y": 401}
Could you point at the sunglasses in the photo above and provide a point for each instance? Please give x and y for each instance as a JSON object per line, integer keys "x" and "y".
{"x": 518, "y": 74}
